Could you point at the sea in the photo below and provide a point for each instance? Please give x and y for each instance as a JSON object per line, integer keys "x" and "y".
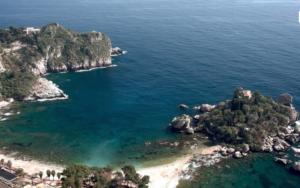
{"x": 179, "y": 51}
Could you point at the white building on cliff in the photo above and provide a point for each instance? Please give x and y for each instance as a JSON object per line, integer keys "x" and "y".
{"x": 30, "y": 30}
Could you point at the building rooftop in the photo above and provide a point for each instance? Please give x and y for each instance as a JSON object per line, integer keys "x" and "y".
{"x": 7, "y": 175}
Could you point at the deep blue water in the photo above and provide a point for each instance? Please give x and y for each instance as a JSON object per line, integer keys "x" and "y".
{"x": 180, "y": 51}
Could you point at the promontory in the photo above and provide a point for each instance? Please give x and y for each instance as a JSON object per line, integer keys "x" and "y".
{"x": 27, "y": 54}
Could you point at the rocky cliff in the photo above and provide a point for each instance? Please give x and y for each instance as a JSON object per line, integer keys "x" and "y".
{"x": 26, "y": 54}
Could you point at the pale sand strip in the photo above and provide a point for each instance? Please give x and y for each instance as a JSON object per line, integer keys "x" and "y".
{"x": 31, "y": 166}
{"x": 168, "y": 175}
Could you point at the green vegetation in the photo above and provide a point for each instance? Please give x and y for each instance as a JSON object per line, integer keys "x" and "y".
{"x": 16, "y": 84}
{"x": 82, "y": 176}
{"x": 12, "y": 34}
{"x": 71, "y": 49}
{"x": 244, "y": 119}
{"x": 25, "y": 56}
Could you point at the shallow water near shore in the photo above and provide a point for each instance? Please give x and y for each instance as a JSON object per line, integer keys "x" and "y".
{"x": 257, "y": 170}
{"x": 180, "y": 51}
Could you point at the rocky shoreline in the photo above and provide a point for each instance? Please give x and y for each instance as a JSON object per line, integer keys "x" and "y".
{"x": 5, "y": 111}
{"x": 282, "y": 141}
{"x": 44, "y": 90}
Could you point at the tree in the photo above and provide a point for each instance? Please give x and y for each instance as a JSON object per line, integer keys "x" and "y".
{"x": 41, "y": 174}
{"x": 9, "y": 164}
{"x": 130, "y": 173}
{"x": 58, "y": 175}
{"x": 48, "y": 172}
{"x": 53, "y": 173}
{"x": 144, "y": 182}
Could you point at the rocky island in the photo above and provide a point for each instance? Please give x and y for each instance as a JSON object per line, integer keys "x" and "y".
{"x": 247, "y": 123}
{"x": 27, "y": 54}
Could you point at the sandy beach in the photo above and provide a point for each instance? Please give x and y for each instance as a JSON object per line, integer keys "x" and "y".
{"x": 31, "y": 166}
{"x": 168, "y": 175}
{"x": 163, "y": 176}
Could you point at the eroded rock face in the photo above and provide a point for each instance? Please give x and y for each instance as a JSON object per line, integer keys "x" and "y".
{"x": 245, "y": 148}
{"x": 2, "y": 69}
{"x": 230, "y": 150}
{"x": 189, "y": 130}
{"x": 40, "y": 67}
{"x": 181, "y": 123}
{"x": 285, "y": 99}
{"x": 295, "y": 150}
{"x": 280, "y": 145}
{"x": 6, "y": 103}
{"x": 292, "y": 138}
{"x": 206, "y": 107}
{"x": 44, "y": 89}
{"x": 297, "y": 127}
{"x": 238, "y": 155}
{"x": 294, "y": 114}
{"x": 281, "y": 160}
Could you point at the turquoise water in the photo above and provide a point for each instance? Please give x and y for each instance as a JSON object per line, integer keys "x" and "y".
{"x": 256, "y": 171}
{"x": 180, "y": 51}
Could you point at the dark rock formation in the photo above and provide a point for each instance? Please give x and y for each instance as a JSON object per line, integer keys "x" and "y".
{"x": 206, "y": 108}
{"x": 296, "y": 167}
{"x": 183, "y": 106}
{"x": 281, "y": 160}
{"x": 285, "y": 99}
{"x": 181, "y": 123}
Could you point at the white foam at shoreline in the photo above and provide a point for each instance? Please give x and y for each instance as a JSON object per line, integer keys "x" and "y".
{"x": 53, "y": 99}
{"x": 104, "y": 67}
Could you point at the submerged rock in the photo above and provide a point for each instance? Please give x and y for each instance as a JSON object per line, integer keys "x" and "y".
{"x": 281, "y": 160}
{"x": 296, "y": 166}
{"x": 183, "y": 106}
{"x": 295, "y": 150}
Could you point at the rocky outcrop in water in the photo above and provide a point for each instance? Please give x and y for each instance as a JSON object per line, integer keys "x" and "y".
{"x": 296, "y": 167}
{"x": 5, "y": 109}
{"x": 249, "y": 122}
{"x": 44, "y": 89}
{"x": 117, "y": 52}
{"x": 181, "y": 123}
{"x": 248, "y": 118}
